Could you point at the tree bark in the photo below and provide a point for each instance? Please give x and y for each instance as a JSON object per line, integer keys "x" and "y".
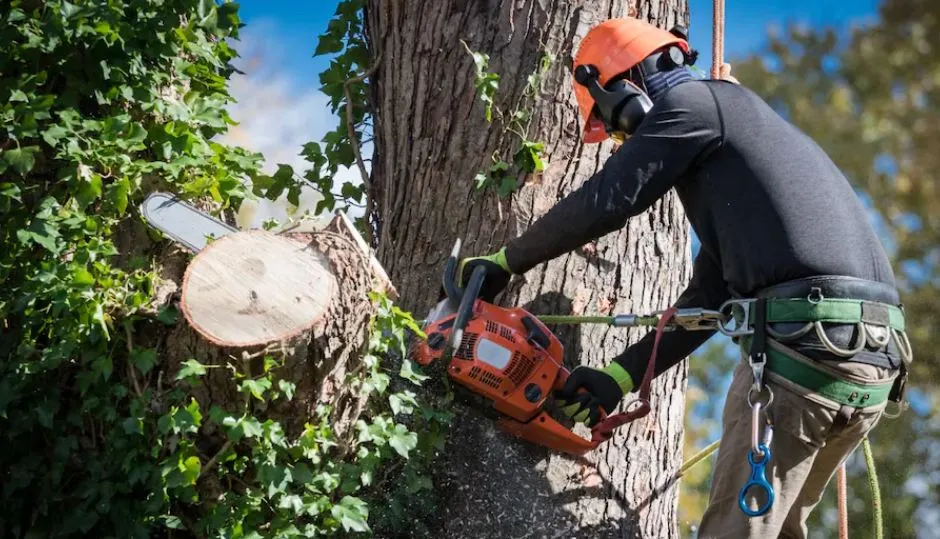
{"x": 300, "y": 299}
{"x": 431, "y": 140}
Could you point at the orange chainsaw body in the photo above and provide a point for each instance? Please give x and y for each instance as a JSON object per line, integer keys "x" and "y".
{"x": 510, "y": 359}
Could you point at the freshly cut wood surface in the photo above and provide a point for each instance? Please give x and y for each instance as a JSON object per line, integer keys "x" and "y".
{"x": 256, "y": 287}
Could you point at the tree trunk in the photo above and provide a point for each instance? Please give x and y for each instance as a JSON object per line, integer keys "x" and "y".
{"x": 299, "y": 299}
{"x": 432, "y": 138}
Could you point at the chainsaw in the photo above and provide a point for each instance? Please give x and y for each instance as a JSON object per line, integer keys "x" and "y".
{"x": 508, "y": 363}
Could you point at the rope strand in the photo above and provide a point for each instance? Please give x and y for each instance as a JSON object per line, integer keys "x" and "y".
{"x": 843, "y": 504}
{"x": 875, "y": 489}
{"x": 718, "y": 37}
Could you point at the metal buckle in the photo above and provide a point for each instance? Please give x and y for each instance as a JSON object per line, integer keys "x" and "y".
{"x": 727, "y": 313}
{"x": 696, "y": 318}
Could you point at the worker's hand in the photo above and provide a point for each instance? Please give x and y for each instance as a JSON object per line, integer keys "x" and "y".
{"x": 497, "y": 273}
{"x": 724, "y": 73}
{"x": 605, "y": 388}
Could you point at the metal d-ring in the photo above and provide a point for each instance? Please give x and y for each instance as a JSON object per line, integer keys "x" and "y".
{"x": 786, "y": 337}
{"x": 906, "y": 351}
{"x": 879, "y": 342}
{"x": 764, "y": 405}
{"x": 823, "y": 338}
{"x": 727, "y": 312}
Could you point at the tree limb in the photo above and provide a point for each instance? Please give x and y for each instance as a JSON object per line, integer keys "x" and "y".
{"x": 354, "y": 142}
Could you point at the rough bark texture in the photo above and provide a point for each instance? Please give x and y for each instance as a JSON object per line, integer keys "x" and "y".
{"x": 431, "y": 140}
{"x": 317, "y": 359}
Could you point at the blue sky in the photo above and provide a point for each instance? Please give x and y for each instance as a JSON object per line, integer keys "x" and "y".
{"x": 280, "y": 106}
{"x": 294, "y": 26}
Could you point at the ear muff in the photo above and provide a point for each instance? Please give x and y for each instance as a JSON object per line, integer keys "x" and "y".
{"x": 620, "y": 104}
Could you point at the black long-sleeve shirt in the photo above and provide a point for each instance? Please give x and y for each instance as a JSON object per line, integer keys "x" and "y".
{"x": 766, "y": 202}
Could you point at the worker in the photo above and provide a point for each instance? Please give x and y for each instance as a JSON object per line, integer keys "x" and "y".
{"x": 776, "y": 220}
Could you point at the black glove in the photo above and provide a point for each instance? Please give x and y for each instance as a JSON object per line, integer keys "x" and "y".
{"x": 497, "y": 273}
{"x": 605, "y": 388}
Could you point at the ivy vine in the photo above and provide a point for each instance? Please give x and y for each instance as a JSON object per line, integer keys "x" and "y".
{"x": 102, "y": 103}
{"x": 501, "y": 175}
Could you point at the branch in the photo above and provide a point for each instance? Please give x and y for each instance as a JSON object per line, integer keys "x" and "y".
{"x": 215, "y": 458}
{"x": 353, "y": 141}
{"x": 130, "y": 367}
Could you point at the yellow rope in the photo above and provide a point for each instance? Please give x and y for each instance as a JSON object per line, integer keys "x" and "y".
{"x": 875, "y": 489}
{"x": 698, "y": 457}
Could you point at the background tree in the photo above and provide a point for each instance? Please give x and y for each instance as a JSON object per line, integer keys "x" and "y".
{"x": 870, "y": 95}
{"x": 476, "y": 135}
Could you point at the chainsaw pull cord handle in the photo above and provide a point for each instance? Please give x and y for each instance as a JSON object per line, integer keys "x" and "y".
{"x": 605, "y": 428}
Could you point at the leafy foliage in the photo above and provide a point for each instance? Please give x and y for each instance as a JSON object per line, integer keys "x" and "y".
{"x": 102, "y": 103}
{"x": 345, "y": 41}
{"x": 501, "y": 175}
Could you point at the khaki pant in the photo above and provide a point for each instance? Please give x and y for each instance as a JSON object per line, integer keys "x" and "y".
{"x": 810, "y": 441}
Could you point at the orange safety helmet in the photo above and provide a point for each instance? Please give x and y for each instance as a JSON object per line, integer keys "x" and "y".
{"x": 614, "y": 47}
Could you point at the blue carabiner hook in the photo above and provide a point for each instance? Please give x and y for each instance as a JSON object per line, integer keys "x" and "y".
{"x": 759, "y": 480}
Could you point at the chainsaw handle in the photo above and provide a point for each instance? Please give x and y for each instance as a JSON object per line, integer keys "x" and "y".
{"x": 560, "y": 380}
{"x": 465, "y": 310}
{"x": 449, "y": 279}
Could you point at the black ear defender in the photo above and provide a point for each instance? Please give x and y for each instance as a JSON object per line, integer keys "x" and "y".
{"x": 621, "y": 105}
{"x": 681, "y": 32}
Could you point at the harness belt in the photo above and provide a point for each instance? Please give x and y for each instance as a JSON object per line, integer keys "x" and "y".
{"x": 822, "y": 380}
{"x": 795, "y": 308}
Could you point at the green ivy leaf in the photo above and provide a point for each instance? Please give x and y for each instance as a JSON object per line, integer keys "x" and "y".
{"x": 507, "y": 186}
{"x": 256, "y": 387}
{"x": 403, "y": 403}
{"x": 82, "y": 278}
{"x": 408, "y": 373}
{"x": 287, "y": 387}
{"x": 190, "y": 468}
{"x": 119, "y": 192}
{"x": 402, "y": 441}
{"x": 144, "y": 359}
{"x": 252, "y": 427}
{"x": 168, "y": 315}
{"x": 352, "y": 514}
{"x": 54, "y": 134}
{"x": 191, "y": 369}
{"x": 528, "y": 157}
{"x": 21, "y": 159}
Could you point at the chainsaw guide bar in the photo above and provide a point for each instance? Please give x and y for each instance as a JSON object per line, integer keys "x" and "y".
{"x": 182, "y": 222}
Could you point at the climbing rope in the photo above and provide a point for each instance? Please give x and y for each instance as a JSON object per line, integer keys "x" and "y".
{"x": 843, "y": 503}
{"x": 698, "y": 457}
{"x": 718, "y": 37}
{"x": 875, "y": 489}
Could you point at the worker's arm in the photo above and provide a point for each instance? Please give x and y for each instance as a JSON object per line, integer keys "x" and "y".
{"x": 606, "y": 386}
{"x": 681, "y": 129}
{"x": 707, "y": 289}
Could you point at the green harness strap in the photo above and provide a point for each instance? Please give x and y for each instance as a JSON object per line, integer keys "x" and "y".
{"x": 811, "y": 375}
{"x": 836, "y": 310}
{"x": 817, "y": 380}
